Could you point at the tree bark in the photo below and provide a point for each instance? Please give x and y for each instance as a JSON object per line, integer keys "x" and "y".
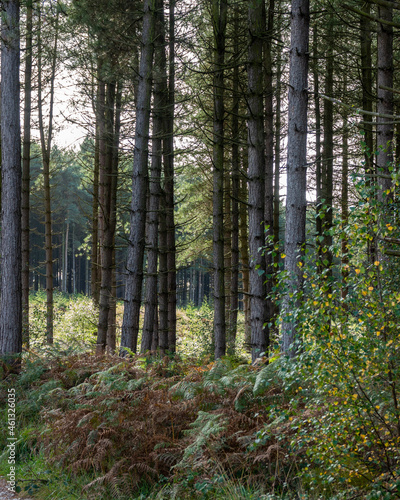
{"x": 95, "y": 255}
{"x": 325, "y": 253}
{"x": 244, "y": 253}
{"x": 134, "y": 279}
{"x": 109, "y": 221}
{"x": 163, "y": 277}
{"x": 64, "y": 253}
{"x": 112, "y": 314}
{"x": 318, "y": 156}
{"x": 256, "y": 172}
{"x": 385, "y": 99}
{"x": 169, "y": 184}
{"x": 366, "y": 81}
{"x": 295, "y": 229}
{"x": 277, "y": 164}
{"x": 234, "y": 292}
{"x": 219, "y": 18}
{"x": 269, "y": 173}
{"x": 46, "y": 143}
{"x": 345, "y": 201}
{"x": 159, "y": 106}
{"x": 11, "y": 257}
{"x": 25, "y": 202}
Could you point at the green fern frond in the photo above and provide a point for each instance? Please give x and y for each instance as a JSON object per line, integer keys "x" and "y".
{"x": 266, "y": 378}
{"x": 205, "y": 427}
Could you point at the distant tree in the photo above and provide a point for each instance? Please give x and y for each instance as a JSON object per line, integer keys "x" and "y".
{"x": 46, "y": 142}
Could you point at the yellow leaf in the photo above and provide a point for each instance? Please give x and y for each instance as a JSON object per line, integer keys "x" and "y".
{"x": 283, "y": 255}
{"x": 358, "y": 271}
{"x": 376, "y": 263}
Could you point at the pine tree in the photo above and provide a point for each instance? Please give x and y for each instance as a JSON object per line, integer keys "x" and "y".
{"x": 134, "y": 278}
{"x": 11, "y": 259}
{"x": 295, "y": 228}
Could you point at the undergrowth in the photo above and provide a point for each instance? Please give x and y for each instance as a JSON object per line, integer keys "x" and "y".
{"x": 149, "y": 428}
{"x": 137, "y": 425}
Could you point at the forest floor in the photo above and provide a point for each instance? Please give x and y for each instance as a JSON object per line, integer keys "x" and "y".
{"x": 322, "y": 426}
{"x": 142, "y": 428}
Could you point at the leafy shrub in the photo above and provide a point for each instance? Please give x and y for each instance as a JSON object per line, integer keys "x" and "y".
{"x": 195, "y": 333}
{"x": 341, "y": 424}
{"x": 75, "y": 321}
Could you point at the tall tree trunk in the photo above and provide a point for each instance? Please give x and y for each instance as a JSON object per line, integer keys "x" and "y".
{"x": 101, "y": 120}
{"x": 345, "y": 199}
{"x": 46, "y": 152}
{"x": 366, "y": 80}
{"x": 134, "y": 279}
{"x": 64, "y": 252}
{"x": 325, "y": 252}
{"x": 269, "y": 172}
{"x": 11, "y": 258}
{"x": 234, "y": 292}
{"x": 163, "y": 278}
{"x": 109, "y": 221}
{"x": 367, "y": 104}
{"x": 256, "y": 155}
{"x": 95, "y": 256}
{"x": 169, "y": 184}
{"x": 277, "y": 165}
{"x": 219, "y": 18}
{"x": 160, "y": 88}
{"x": 112, "y": 314}
{"x": 318, "y": 165}
{"x": 385, "y": 98}
{"x": 295, "y": 236}
{"x": 244, "y": 254}
{"x": 73, "y": 257}
{"x": 155, "y": 340}
{"x": 227, "y": 242}
{"x": 26, "y": 176}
